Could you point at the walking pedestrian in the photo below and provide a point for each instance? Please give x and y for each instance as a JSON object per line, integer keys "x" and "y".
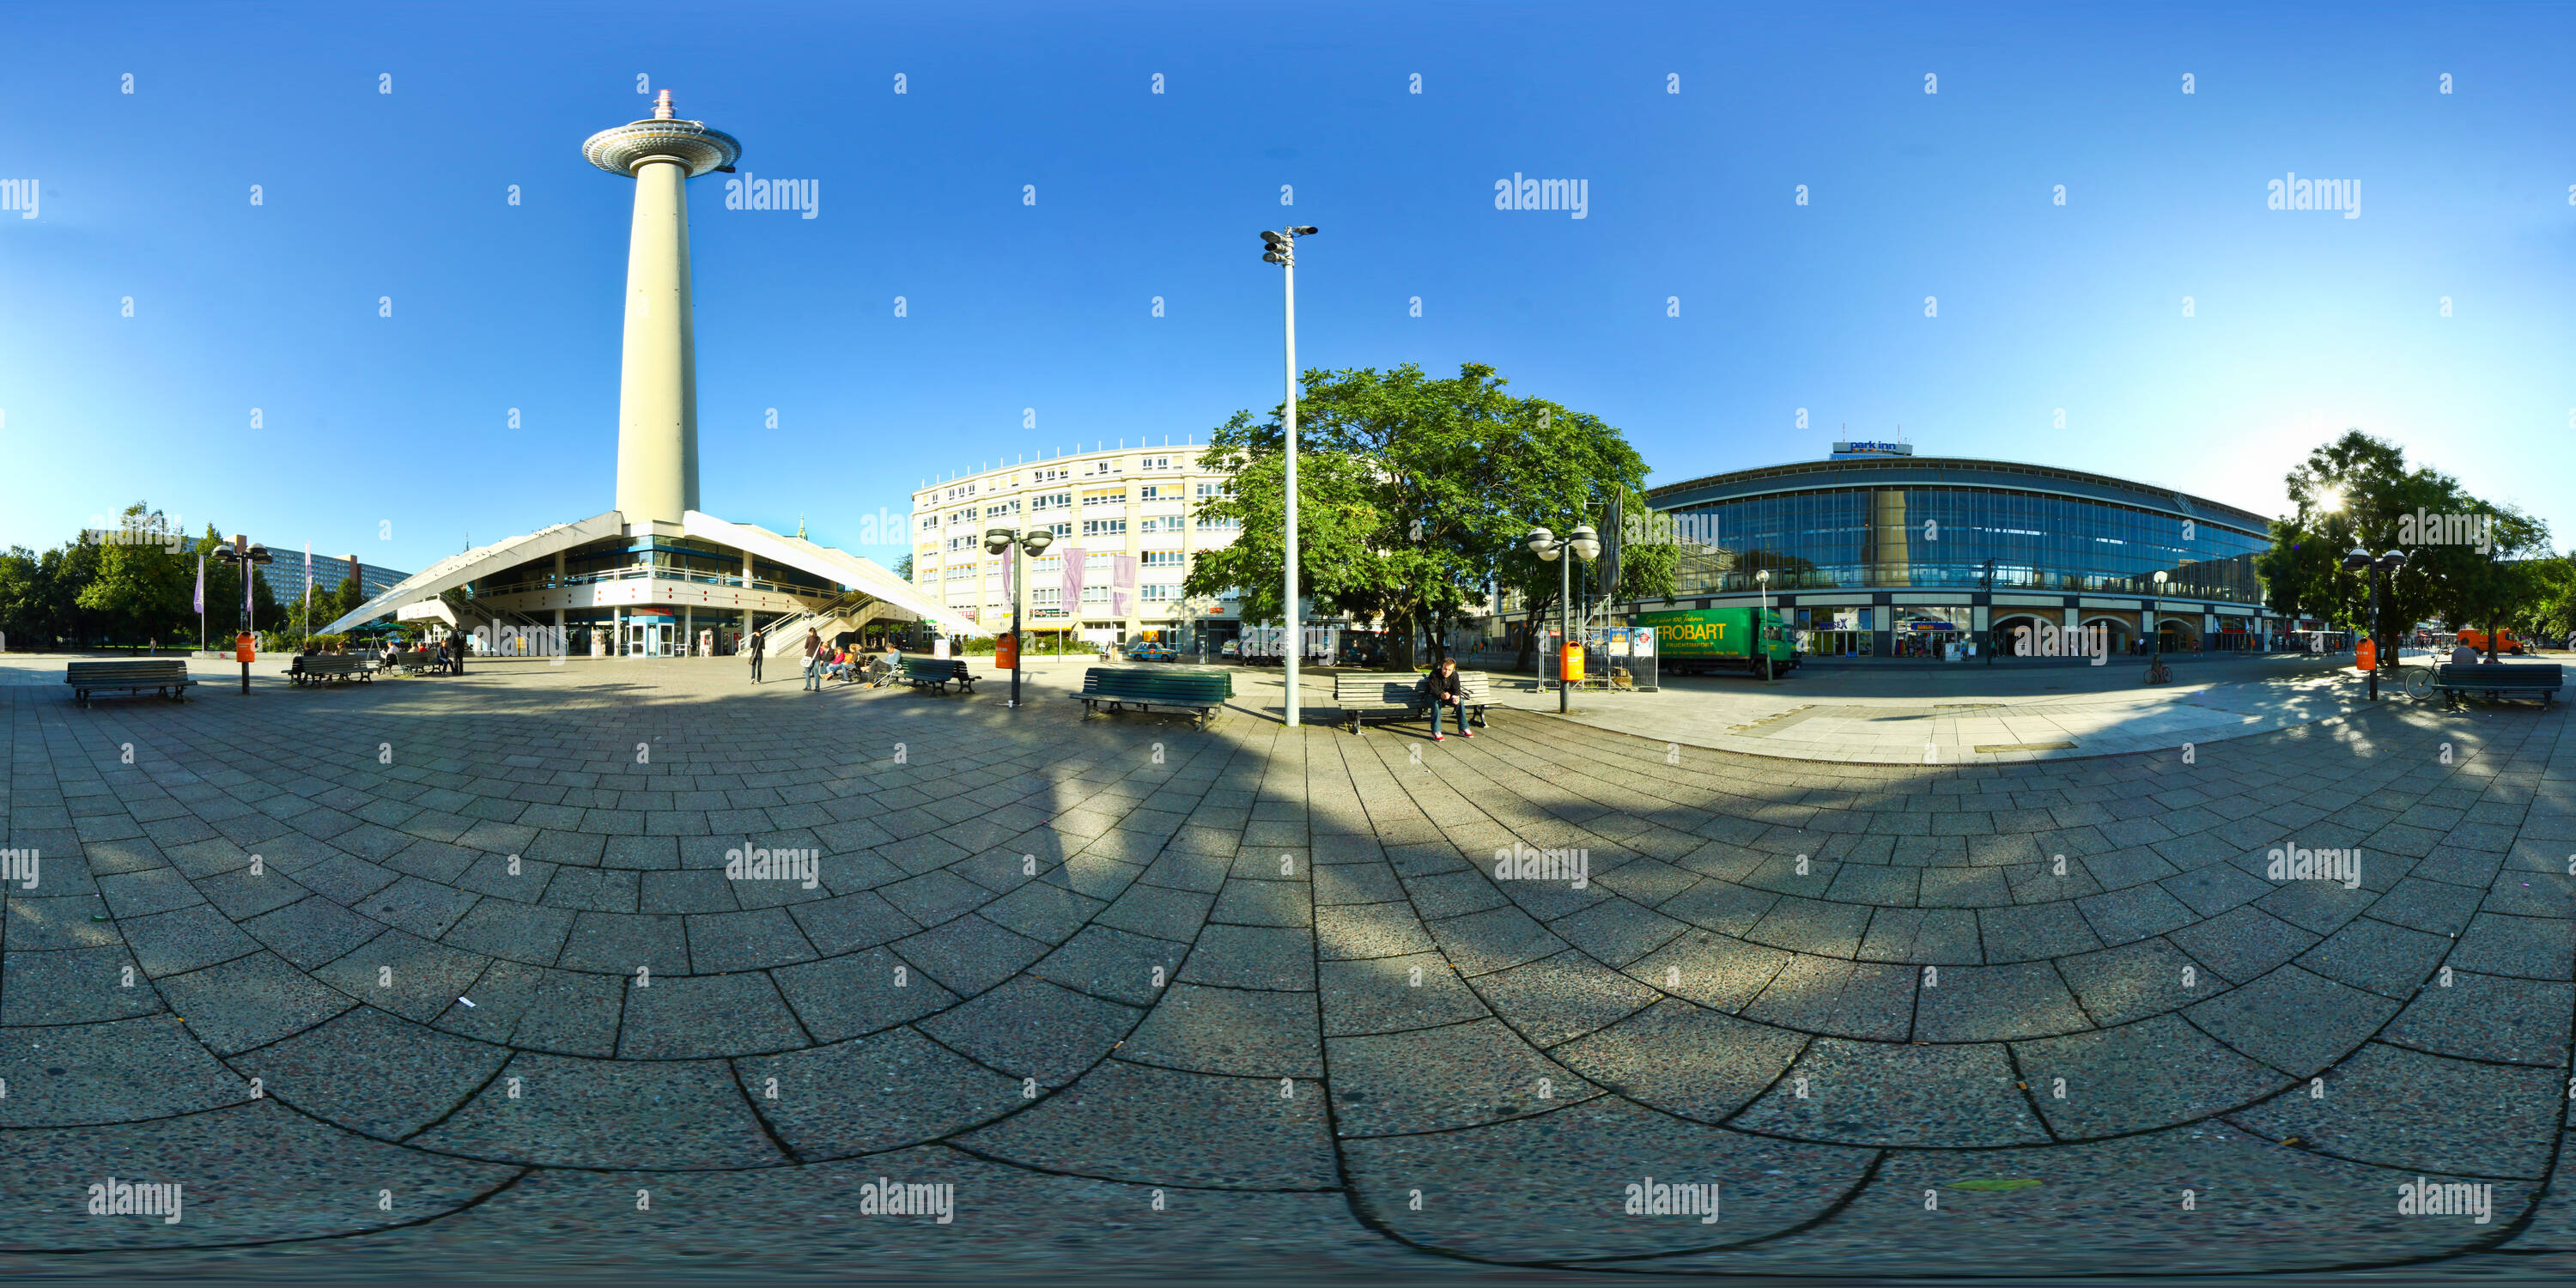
{"x": 813, "y": 660}
{"x": 756, "y": 648}
{"x": 456, "y": 644}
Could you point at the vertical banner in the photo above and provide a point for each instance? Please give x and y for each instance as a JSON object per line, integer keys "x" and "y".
{"x": 201, "y": 584}
{"x": 1073, "y": 581}
{"x": 1611, "y": 541}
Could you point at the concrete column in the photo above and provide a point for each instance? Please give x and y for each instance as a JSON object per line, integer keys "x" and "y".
{"x": 657, "y": 390}
{"x": 688, "y": 630}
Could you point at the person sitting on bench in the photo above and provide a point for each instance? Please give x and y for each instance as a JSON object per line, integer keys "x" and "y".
{"x": 1440, "y": 689}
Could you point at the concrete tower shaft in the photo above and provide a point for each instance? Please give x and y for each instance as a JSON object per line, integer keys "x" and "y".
{"x": 657, "y": 389}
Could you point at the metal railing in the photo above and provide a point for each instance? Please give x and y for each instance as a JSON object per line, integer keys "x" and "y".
{"x": 632, "y": 572}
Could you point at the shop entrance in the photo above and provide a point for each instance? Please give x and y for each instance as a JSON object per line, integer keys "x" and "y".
{"x": 649, "y": 637}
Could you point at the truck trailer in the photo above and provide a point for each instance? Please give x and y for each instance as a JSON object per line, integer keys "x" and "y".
{"x": 1698, "y": 641}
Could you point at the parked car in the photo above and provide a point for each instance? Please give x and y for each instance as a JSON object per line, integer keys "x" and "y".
{"x": 1150, "y": 652}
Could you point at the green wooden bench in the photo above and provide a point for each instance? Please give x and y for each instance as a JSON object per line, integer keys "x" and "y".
{"x": 937, "y": 673}
{"x": 1398, "y": 695}
{"x": 1202, "y": 692}
{"x": 2499, "y": 679}
{"x": 169, "y": 678}
{"x": 418, "y": 660}
{"x": 321, "y": 667}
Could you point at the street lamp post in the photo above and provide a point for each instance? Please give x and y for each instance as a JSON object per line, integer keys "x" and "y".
{"x": 2356, "y": 560}
{"x": 247, "y": 556}
{"x": 1021, "y": 549}
{"x": 1990, "y": 612}
{"x": 2155, "y": 629}
{"x": 1281, "y": 248}
{"x": 1583, "y": 543}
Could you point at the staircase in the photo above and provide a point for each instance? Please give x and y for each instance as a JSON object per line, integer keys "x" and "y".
{"x": 849, "y": 611}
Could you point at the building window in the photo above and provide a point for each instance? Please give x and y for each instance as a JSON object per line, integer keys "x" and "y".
{"x": 1155, "y": 594}
{"x": 1214, "y": 487}
{"x": 1103, "y": 527}
{"x": 1046, "y": 596}
{"x": 1090, "y": 499}
{"x": 1051, "y": 501}
{"x": 1207, "y": 523}
{"x": 1154, "y": 463}
{"x": 1095, "y": 594}
{"x": 1163, "y": 558}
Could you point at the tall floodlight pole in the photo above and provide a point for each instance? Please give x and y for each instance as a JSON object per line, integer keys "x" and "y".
{"x": 1282, "y": 250}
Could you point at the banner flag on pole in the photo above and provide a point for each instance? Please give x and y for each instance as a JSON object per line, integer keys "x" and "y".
{"x": 201, "y": 585}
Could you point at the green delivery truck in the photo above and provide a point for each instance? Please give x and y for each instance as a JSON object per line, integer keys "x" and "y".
{"x": 1698, "y": 641}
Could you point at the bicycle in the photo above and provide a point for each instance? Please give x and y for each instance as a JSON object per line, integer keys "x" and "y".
{"x": 2157, "y": 671}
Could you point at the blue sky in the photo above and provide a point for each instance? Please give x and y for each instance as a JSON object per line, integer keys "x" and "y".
{"x": 2304, "y": 322}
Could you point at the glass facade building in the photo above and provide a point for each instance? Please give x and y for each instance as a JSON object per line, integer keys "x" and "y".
{"x": 1878, "y": 551}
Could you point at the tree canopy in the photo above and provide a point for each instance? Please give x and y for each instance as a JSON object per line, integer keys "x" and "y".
{"x": 2467, "y": 559}
{"x": 1415, "y": 493}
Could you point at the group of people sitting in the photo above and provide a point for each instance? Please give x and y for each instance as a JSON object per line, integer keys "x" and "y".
{"x": 446, "y": 656}
{"x": 857, "y": 665}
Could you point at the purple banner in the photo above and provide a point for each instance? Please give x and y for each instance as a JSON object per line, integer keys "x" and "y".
{"x": 1073, "y": 580}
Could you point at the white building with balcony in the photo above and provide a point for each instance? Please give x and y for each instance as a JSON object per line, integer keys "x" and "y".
{"x": 1126, "y": 536}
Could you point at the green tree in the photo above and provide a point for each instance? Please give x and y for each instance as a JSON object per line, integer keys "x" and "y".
{"x": 2358, "y": 493}
{"x": 1648, "y": 562}
{"x": 140, "y": 588}
{"x": 24, "y": 618}
{"x": 1413, "y": 492}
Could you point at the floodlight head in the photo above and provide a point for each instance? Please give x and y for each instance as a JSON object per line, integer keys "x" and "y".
{"x": 2356, "y": 559}
{"x": 2393, "y": 560}
{"x": 1307, "y": 231}
{"x": 1270, "y": 238}
{"x": 1585, "y": 541}
{"x": 1037, "y": 541}
{"x": 1543, "y": 544}
{"x": 1273, "y": 258}
{"x": 997, "y": 540}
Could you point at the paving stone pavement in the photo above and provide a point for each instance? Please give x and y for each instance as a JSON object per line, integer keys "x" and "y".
{"x": 451, "y": 973}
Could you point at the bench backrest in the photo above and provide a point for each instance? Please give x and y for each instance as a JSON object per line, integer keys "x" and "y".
{"x": 1401, "y": 686}
{"x": 146, "y": 669}
{"x": 1395, "y": 687}
{"x": 1156, "y": 685}
{"x": 2534, "y": 675}
{"x": 940, "y": 666}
